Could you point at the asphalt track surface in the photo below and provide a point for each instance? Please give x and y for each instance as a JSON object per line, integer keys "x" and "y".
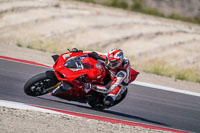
{"x": 142, "y": 104}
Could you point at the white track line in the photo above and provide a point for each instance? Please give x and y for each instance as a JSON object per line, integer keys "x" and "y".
{"x": 159, "y": 87}
{"x": 24, "y": 106}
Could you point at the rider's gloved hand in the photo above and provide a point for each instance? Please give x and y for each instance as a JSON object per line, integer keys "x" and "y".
{"x": 76, "y": 50}
{"x": 87, "y": 86}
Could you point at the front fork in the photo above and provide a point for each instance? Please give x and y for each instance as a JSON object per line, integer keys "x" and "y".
{"x": 55, "y": 86}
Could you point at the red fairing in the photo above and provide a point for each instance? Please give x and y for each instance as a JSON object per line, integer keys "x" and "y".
{"x": 97, "y": 71}
{"x": 70, "y": 66}
{"x": 61, "y": 70}
{"x": 133, "y": 75}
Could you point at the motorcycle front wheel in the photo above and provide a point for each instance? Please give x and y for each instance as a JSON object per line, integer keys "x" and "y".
{"x": 41, "y": 84}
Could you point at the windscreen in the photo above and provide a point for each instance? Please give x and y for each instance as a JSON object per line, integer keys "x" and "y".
{"x": 78, "y": 63}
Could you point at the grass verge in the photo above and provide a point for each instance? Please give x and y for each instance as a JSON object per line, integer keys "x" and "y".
{"x": 137, "y": 6}
{"x": 42, "y": 46}
{"x": 163, "y": 69}
{"x": 52, "y": 47}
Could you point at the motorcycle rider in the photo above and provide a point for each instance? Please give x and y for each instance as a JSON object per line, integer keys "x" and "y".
{"x": 119, "y": 70}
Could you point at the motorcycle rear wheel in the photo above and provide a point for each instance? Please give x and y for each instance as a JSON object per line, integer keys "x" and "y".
{"x": 40, "y": 84}
{"x": 123, "y": 95}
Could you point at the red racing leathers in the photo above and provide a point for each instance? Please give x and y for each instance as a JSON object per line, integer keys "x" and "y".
{"x": 119, "y": 76}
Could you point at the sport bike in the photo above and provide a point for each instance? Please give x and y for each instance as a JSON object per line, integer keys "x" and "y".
{"x": 67, "y": 80}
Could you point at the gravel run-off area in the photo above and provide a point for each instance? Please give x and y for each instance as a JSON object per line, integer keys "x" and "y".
{"x": 26, "y": 121}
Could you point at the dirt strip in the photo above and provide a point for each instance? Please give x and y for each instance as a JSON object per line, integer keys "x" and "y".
{"x": 25, "y": 121}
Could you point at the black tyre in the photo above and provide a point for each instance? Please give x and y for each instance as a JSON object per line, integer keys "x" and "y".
{"x": 96, "y": 105}
{"x": 123, "y": 95}
{"x": 40, "y": 84}
{"x": 95, "y": 100}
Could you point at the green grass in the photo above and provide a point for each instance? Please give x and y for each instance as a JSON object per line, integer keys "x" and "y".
{"x": 153, "y": 12}
{"x": 137, "y": 5}
{"x": 53, "y": 47}
{"x": 19, "y": 44}
{"x": 38, "y": 45}
{"x": 163, "y": 69}
{"x": 117, "y": 3}
{"x": 90, "y": 1}
{"x": 181, "y": 76}
{"x": 198, "y": 80}
{"x": 188, "y": 74}
{"x": 158, "y": 68}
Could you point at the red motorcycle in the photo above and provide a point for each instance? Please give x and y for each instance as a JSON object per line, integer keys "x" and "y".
{"x": 71, "y": 71}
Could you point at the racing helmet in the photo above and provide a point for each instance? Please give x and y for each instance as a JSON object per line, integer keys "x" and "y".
{"x": 114, "y": 58}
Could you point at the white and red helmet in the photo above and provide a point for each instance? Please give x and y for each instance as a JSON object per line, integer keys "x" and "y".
{"x": 114, "y": 58}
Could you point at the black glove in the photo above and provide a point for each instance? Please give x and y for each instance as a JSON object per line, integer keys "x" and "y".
{"x": 76, "y": 50}
{"x": 87, "y": 85}
{"x": 96, "y": 56}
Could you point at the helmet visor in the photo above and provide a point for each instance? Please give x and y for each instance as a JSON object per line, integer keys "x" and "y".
{"x": 112, "y": 63}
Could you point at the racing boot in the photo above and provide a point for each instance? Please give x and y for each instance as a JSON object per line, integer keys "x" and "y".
{"x": 108, "y": 101}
